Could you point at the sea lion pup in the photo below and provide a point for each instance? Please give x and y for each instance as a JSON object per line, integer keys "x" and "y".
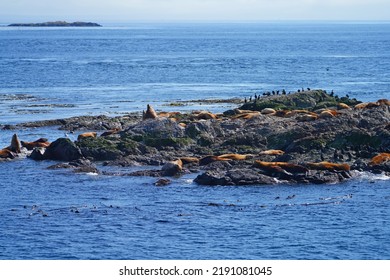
{"x": 235, "y": 156}
{"x": 272, "y": 152}
{"x": 380, "y": 158}
{"x": 209, "y": 159}
{"x": 268, "y": 111}
{"x": 171, "y": 168}
{"x": 289, "y": 167}
{"x": 110, "y": 132}
{"x": 39, "y": 143}
{"x": 383, "y": 102}
{"x": 325, "y": 165}
{"x": 149, "y": 114}
{"x": 186, "y": 160}
{"x": 86, "y": 135}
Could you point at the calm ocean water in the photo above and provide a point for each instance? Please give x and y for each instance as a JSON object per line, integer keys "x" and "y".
{"x": 49, "y": 73}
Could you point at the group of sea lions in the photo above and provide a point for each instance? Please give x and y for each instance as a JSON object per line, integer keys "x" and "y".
{"x": 16, "y": 146}
{"x": 270, "y": 167}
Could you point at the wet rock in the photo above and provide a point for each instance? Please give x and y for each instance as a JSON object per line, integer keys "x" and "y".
{"x": 234, "y": 177}
{"x": 162, "y": 182}
{"x": 78, "y": 166}
{"x": 63, "y": 149}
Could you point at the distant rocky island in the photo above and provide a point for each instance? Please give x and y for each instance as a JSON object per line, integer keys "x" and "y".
{"x": 57, "y": 24}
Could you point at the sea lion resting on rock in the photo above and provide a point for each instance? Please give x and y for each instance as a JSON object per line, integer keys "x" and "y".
{"x": 272, "y": 152}
{"x": 186, "y": 160}
{"x": 40, "y": 143}
{"x": 86, "y": 135}
{"x": 325, "y": 165}
{"x": 209, "y": 159}
{"x": 110, "y": 132}
{"x": 289, "y": 167}
{"x": 246, "y": 116}
{"x": 150, "y": 113}
{"x": 235, "y": 156}
{"x": 380, "y": 158}
{"x": 5, "y": 153}
{"x": 12, "y": 150}
{"x": 171, "y": 168}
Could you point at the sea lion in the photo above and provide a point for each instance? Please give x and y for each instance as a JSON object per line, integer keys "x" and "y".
{"x": 209, "y": 159}
{"x": 110, "y": 132}
{"x": 171, "y": 168}
{"x": 150, "y": 113}
{"x": 5, "y": 153}
{"x": 235, "y": 156}
{"x": 326, "y": 114}
{"x": 186, "y": 160}
{"x": 247, "y": 116}
{"x": 268, "y": 111}
{"x": 205, "y": 116}
{"x": 289, "y": 167}
{"x": 342, "y": 106}
{"x": 306, "y": 117}
{"x": 15, "y": 144}
{"x": 39, "y": 143}
{"x": 380, "y": 158}
{"x": 325, "y": 165}
{"x": 383, "y": 102}
{"x": 284, "y": 113}
{"x": 86, "y": 135}
{"x": 272, "y": 152}
{"x": 366, "y": 105}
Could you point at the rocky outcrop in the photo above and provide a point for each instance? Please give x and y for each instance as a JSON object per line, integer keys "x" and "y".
{"x": 63, "y": 149}
{"x": 297, "y": 138}
{"x": 56, "y": 24}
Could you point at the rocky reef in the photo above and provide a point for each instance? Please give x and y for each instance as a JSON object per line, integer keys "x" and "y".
{"x": 303, "y": 137}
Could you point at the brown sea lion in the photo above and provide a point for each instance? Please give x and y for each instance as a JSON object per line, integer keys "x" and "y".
{"x": 15, "y": 144}
{"x": 306, "y": 117}
{"x": 272, "y": 152}
{"x": 209, "y": 159}
{"x": 235, "y": 156}
{"x": 246, "y": 116}
{"x": 380, "y": 158}
{"x": 186, "y": 160}
{"x": 289, "y": 167}
{"x": 110, "y": 132}
{"x": 325, "y": 165}
{"x": 205, "y": 116}
{"x": 326, "y": 114}
{"x": 268, "y": 111}
{"x": 39, "y": 143}
{"x": 383, "y": 102}
{"x": 342, "y": 106}
{"x": 86, "y": 135}
{"x": 150, "y": 113}
{"x": 171, "y": 168}
{"x": 5, "y": 153}
{"x": 283, "y": 113}
{"x": 366, "y": 105}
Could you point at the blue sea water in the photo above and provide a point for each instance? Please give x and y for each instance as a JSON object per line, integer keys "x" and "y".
{"x": 48, "y": 73}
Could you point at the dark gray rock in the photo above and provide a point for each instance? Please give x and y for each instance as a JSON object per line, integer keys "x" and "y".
{"x": 63, "y": 149}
